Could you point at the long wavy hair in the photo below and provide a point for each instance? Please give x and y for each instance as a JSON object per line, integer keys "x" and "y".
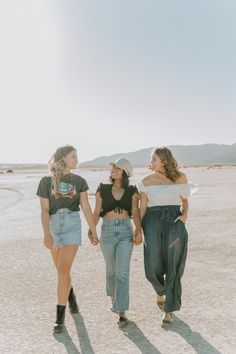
{"x": 124, "y": 181}
{"x": 57, "y": 164}
{"x": 169, "y": 162}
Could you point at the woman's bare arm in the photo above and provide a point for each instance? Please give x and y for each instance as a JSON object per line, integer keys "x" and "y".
{"x": 136, "y": 219}
{"x": 184, "y": 207}
{"x": 88, "y": 214}
{"x": 48, "y": 240}
{"x": 143, "y": 204}
{"x": 184, "y": 201}
{"x": 96, "y": 213}
{"x": 97, "y": 209}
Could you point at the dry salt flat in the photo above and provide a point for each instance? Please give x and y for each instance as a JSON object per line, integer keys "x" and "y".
{"x": 206, "y": 322}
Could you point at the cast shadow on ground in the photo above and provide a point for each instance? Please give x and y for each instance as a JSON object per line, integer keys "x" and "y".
{"x": 197, "y": 342}
{"x": 65, "y": 338}
{"x": 134, "y": 333}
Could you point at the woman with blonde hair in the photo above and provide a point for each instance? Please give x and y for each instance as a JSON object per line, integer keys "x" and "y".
{"x": 61, "y": 194}
{"x": 163, "y": 211}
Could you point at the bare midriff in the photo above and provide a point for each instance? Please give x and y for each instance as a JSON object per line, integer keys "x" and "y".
{"x": 112, "y": 215}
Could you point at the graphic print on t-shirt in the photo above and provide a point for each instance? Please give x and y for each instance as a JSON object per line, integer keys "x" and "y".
{"x": 65, "y": 190}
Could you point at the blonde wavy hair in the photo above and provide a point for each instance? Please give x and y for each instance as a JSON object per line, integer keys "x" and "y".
{"x": 57, "y": 164}
{"x": 169, "y": 162}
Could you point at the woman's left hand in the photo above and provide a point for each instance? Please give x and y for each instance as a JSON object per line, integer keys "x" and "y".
{"x": 182, "y": 218}
{"x": 93, "y": 238}
{"x": 138, "y": 238}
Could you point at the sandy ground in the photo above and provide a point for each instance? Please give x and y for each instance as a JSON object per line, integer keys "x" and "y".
{"x": 205, "y": 324}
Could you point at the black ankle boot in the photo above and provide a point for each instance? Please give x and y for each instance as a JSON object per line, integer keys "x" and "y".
{"x": 59, "y": 324}
{"x": 72, "y": 302}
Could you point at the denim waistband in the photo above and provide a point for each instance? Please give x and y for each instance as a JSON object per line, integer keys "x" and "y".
{"x": 66, "y": 211}
{"x": 116, "y": 221}
{"x": 167, "y": 212}
{"x": 164, "y": 207}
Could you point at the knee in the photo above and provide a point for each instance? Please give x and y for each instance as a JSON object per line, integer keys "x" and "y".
{"x": 110, "y": 274}
{"x": 151, "y": 275}
{"x": 63, "y": 269}
{"x": 122, "y": 277}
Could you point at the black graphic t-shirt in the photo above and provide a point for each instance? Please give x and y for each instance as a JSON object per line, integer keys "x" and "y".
{"x": 66, "y": 196}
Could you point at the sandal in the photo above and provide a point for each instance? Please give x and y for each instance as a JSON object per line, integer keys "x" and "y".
{"x": 123, "y": 322}
{"x": 166, "y": 320}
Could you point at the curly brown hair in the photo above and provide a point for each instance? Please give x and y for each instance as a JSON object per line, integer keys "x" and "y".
{"x": 57, "y": 164}
{"x": 169, "y": 162}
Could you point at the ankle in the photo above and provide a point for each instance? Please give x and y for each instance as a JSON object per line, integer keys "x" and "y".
{"x": 168, "y": 314}
{"x": 122, "y": 313}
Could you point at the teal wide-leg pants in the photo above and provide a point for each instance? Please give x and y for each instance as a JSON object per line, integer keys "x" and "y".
{"x": 165, "y": 251}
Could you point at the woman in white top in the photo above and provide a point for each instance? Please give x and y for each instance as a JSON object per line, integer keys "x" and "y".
{"x": 164, "y": 209}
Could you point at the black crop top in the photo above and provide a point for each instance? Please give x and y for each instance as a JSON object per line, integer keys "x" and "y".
{"x": 109, "y": 203}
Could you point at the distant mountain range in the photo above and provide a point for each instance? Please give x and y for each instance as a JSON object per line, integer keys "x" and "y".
{"x": 184, "y": 154}
{"x": 188, "y": 155}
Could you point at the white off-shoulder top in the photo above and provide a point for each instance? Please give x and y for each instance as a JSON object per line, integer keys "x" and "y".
{"x": 167, "y": 194}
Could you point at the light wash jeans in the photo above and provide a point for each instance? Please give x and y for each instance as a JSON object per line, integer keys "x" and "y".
{"x": 116, "y": 245}
{"x": 65, "y": 227}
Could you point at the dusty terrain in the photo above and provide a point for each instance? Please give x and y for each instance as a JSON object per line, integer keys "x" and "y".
{"x": 206, "y": 322}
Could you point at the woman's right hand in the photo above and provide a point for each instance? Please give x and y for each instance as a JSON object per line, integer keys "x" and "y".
{"x": 93, "y": 238}
{"x": 48, "y": 241}
{"x": 95, "y": 241}
{"x": 90, "y": 236}
{"x": 138, "y": 239}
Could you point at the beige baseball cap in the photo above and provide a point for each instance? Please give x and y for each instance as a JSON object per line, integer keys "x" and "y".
{"x": 125, "y": 165}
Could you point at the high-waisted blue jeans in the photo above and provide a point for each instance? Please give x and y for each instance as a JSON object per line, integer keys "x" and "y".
{"x": 165, "y": 251}
{"x": 116, "y": 245}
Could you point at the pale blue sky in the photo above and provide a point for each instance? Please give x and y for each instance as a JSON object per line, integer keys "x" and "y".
{"x": 114, "y": 76}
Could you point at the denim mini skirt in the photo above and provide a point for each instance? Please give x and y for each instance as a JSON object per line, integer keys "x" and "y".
{"x": 65, "y": 227}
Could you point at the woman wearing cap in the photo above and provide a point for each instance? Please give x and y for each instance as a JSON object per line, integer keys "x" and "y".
{"x": 61, "y": 194}
{"x": 163, "y": 210}
{"x": 116, "y": 203}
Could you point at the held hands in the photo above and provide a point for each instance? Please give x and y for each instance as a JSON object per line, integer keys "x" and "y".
{"x": 182, "y": 218}
{"x": 137, "y": 237}
{"x": 93, "y": 238}
{"x": 48, "y": 241}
